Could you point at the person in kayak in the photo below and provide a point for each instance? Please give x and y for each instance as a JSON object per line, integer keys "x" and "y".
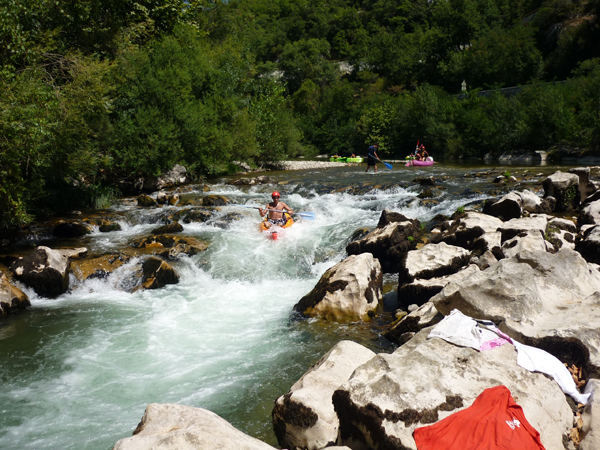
{"x": 276, "y": 218}
{"x": 372, "y": 158}
{"x": 423, "y": 155}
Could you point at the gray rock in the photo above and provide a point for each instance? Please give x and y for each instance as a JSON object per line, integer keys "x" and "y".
{"x": 179, "y": 427}
{"x": 535, "y": 222}
{"x": 589, "y": 246}
{"x": 532, "y": 240}
{"x": 586, "y": 186}
{"x": 464, "y": 230}
{"x": 304, "y": 417}
{"x": 174, "y": 177}
{"x": 420, "y": 291}
{"x": 349, "y": 291}
{"x": 564, "y": 187}
{"x": 590, "y": 214}
{"x": 534, "y": 296}
{"x": 508, "y": 207}
{"x": 427, "y": 380}
{"x": 562, "y": 224}
{"x": 484, "y": 261}
{"x": 591, "y": 418}
{"x": 389, "y": 242}
{"x": 424, "y": 316}
{"x": 45, "y": 270}
{"x": 431, "y": 261}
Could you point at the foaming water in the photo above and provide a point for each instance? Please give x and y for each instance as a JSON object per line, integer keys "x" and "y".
{"x": 78, "y": 371}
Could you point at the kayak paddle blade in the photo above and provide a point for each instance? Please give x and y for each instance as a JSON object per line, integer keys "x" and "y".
{"x": 307, "y": 215}
{"x": 388, "y": 165}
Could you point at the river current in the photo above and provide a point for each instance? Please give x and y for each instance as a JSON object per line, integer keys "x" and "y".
{"x": 78, "y": 371}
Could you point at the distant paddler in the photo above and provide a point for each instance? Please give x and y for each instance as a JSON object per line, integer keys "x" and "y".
{"x": 273, "y": 209}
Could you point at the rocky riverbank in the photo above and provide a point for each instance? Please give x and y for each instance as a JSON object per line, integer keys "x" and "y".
{"x": 499, "y": 303}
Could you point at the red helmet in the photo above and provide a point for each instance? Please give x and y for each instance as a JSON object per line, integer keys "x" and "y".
{"x": 275, "y": 194}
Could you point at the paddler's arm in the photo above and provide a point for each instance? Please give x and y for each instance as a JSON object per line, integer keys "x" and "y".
{"x": 287, "y": 208}
{"x": 262, "y": 212}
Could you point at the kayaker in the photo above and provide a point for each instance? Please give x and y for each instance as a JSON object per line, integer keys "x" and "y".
{"x": 423, "y": 155}
{"x": 372, "y": 158}
{"x": 276, "y": 218}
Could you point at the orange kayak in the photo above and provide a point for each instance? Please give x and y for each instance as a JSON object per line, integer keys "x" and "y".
{"x": 273, "y": 230}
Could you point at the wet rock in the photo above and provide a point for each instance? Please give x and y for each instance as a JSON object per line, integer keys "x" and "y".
{"x": 191, "y": 215}
{"x": 73, "y": 253}
{"x": 215, "y": 200}
{"x": 12, "y": 299}
{"x": 394, "y": 236}
{"x": 433, "y": 260}
{"x": 534, "y": 295}
{"x": 428, "y": 379}
{"x": 178, "y": 427}
{"x": 167, "y": 246}
{"x": 174, "y": 177}
{"x": 109, "y": 226}
{"x": 145, "y": 200}
{"x": 564, "y": 187}
{"x": 589, "y": 246}
{"x": 425, "y": 181}
{"x": 98, "y": 267}
{"x": 173, "y": 199}
{"x": 402, "y": 330}
{"x": 304, "y": 417}
{"x": 45, "y": 270}
{"x": 71, "y": 229}
{"x": 157, "y": 273}
{"x": 349, "y": 291}
{"x": 225, "y": 220}
{"x": 251, "y": 181}
{"x": 169, "y": 228}
{"x": 360, "y": 233}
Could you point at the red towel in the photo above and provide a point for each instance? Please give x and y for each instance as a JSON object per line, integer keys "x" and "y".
{"x": 493, "y": 422}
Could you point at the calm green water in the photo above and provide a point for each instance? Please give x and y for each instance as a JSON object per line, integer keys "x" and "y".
{"x": 77, "y": 372}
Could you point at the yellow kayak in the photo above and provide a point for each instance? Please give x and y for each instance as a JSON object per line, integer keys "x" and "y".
{"x": 265, "y": 225}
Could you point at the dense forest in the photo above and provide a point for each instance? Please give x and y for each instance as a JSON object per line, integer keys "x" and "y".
{"x": 98, "y": 90}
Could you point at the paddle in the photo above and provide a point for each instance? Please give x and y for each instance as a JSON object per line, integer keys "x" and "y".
{"x": 305, "y": 215}
{"x": 388, "y": 165}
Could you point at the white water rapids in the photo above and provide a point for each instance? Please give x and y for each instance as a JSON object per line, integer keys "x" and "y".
{"x": 78, "y": 371}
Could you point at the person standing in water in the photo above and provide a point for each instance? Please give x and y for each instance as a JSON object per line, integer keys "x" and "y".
{"x": 372, "y": 158}
{"x": 276, "y": 217}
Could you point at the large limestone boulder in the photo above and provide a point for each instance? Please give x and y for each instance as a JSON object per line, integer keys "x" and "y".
{"x": 508, "y": 207}
{"x": 564, "y": 187}
{"x": 534, "y": 296}
{"x": 98, "y": 267}
{"x": 168, "y": 246}
{"x": 179, "y": 427}
{"x": 432, "y": 260}
{"x": 349, "y": 291}
{"x": 304, "y": 417}
{"x": 590, "y": 431}
{"x": 12, "y": 299}
{"x": 426, "y": 380}
{"x": 589, "y": 246}
{"x": 45, "y": 270}
{"x": 468, "y": 227}
{"x": 389, "y": 242}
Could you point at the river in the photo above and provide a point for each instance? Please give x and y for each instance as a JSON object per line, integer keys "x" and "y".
{"x": 78, "y": 371}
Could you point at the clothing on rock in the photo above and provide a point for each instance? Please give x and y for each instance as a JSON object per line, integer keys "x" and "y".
{"x": 493, "y": 422}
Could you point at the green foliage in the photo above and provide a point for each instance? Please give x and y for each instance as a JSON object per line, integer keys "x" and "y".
{"x": 460, "y": 210}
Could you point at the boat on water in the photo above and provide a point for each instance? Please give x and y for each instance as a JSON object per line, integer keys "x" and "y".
{"x": 273, "y": 230}
{"x": 415, "y": 162}
{"x": 357, "y": 159}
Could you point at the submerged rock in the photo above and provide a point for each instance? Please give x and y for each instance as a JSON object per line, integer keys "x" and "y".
{"x": 157, "y": 273}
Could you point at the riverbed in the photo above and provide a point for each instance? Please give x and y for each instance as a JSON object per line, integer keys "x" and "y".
{"x": 78, "y": 371}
